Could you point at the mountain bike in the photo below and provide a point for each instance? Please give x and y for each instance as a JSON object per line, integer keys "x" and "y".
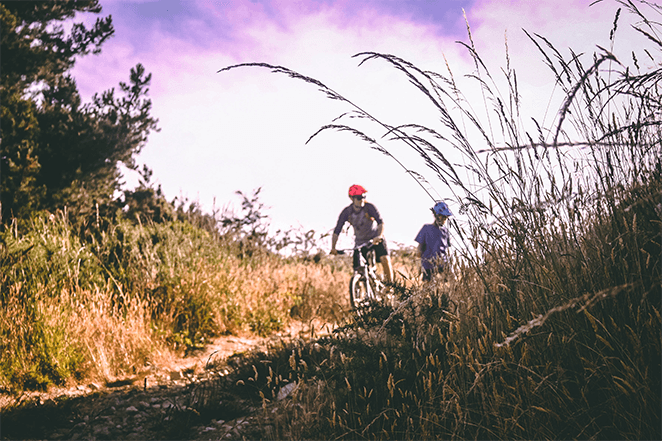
{"x": 366, "y": 284}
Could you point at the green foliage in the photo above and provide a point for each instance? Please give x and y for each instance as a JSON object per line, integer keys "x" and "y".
{"x": 19, "y": 164}
{"x": 35, "y": 47}
{"x": 146, "y": 202}
{"x": 48, "y": 256}
{"x": 37, "y": 348}
{"x": 65, "y": 288}
{"x": 56, "y": 151}
{"x": 248, "y": 231}
{"x": 44, "y": 356}
{"x": 49, "y": 278}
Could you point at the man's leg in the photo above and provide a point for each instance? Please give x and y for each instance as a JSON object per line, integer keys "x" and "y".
{"x": 355, "y": 259}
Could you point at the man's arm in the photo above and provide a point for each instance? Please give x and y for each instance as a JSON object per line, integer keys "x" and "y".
{"x": 334, "y": 240}
{"x": 380, "y": 234}
{"x": 374, "y": 214}
{"x": 342, "y": 219}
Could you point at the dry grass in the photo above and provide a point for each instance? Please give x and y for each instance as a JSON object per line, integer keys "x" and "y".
{"x": 116, "y": 345}
{"x": 74, "y": 310}
{"x": 549, "y": 325}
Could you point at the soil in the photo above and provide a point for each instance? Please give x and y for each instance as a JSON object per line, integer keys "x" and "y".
{"x": 154, "y": 404}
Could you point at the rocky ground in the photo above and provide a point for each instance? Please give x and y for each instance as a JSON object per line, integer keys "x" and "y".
{"x": 161, "y": 403}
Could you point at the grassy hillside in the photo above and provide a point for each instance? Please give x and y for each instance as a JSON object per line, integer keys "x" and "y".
{"x": 471, "y": 358}
{"x": 101, "y": 303}
{"x": 548, "y": 326}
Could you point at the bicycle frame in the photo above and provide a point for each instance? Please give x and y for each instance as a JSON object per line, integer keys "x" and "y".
{"x": 365, "y": 284}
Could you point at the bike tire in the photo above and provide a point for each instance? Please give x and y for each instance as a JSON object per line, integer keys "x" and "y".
{"x": 358, "y": 290}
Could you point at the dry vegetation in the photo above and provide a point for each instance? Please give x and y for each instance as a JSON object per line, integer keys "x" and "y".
{"x": 547, "y": 327}
{"x": 102, "y": 307}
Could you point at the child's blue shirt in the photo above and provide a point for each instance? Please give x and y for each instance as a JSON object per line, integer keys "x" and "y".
{"x": 436, "y": 241}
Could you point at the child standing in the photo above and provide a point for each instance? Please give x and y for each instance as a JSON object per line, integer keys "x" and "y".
{"x": 433, "y": 242}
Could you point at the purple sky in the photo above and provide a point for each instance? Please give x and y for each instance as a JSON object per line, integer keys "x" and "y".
{"x": 246, "y": 128}
{"x": 215, "y": 21}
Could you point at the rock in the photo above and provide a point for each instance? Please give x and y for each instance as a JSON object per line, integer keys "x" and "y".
{"x": 101, "y": 429}
{"x": 132, "y": 409}
{"x": 286, "y": 390}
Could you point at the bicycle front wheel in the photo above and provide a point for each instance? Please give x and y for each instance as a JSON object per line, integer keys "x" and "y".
{"x": 358, "y": 290}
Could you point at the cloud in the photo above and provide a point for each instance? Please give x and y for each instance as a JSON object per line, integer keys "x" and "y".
{"x": 246, "y": 128}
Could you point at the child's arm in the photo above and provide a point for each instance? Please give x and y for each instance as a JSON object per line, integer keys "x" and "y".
{"x": 421, "y": 249}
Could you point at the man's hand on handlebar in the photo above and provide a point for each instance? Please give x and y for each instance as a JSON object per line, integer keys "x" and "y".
{"x": 376, "y": 240}
{"x": 370, "y": 242}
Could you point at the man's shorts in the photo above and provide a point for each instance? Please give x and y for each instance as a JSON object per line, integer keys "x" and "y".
{"x": 380, "y": 249}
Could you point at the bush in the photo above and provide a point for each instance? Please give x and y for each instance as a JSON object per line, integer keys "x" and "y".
{"x": 101, "y": 299}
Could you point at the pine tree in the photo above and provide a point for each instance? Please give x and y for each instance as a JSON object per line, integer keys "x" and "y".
{"x": 57, "y": 151}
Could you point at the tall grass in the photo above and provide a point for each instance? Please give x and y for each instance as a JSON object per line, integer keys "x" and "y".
{"x": 100, "y": 302}
{"x": 549, "y": 326}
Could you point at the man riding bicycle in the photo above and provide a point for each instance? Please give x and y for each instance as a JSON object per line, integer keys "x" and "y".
{"x": 433, "y": 242}
{"x": 368, "y": 227}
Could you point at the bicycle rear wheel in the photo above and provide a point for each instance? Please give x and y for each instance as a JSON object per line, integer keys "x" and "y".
{"x": 358, "y": 290}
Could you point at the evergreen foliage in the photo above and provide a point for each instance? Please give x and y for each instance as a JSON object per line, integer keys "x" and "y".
{"x": 57, "y": 151}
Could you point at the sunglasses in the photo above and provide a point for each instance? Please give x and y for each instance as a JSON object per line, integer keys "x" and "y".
{"x": 359, "y": 197}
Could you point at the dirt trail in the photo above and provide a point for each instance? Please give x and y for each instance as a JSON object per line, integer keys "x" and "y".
{"x": 142, "y": 407}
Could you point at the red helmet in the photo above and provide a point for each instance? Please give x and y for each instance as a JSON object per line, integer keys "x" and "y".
{"x": 356, "y": 190}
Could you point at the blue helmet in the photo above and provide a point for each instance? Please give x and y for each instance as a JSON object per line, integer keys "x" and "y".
{"x": 441, "y": 208}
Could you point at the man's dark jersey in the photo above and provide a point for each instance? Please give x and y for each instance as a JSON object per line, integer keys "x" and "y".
{"x": 365, "y": 222}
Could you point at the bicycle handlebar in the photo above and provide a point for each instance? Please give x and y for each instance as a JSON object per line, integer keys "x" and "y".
{"x": 359, "y": 247}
